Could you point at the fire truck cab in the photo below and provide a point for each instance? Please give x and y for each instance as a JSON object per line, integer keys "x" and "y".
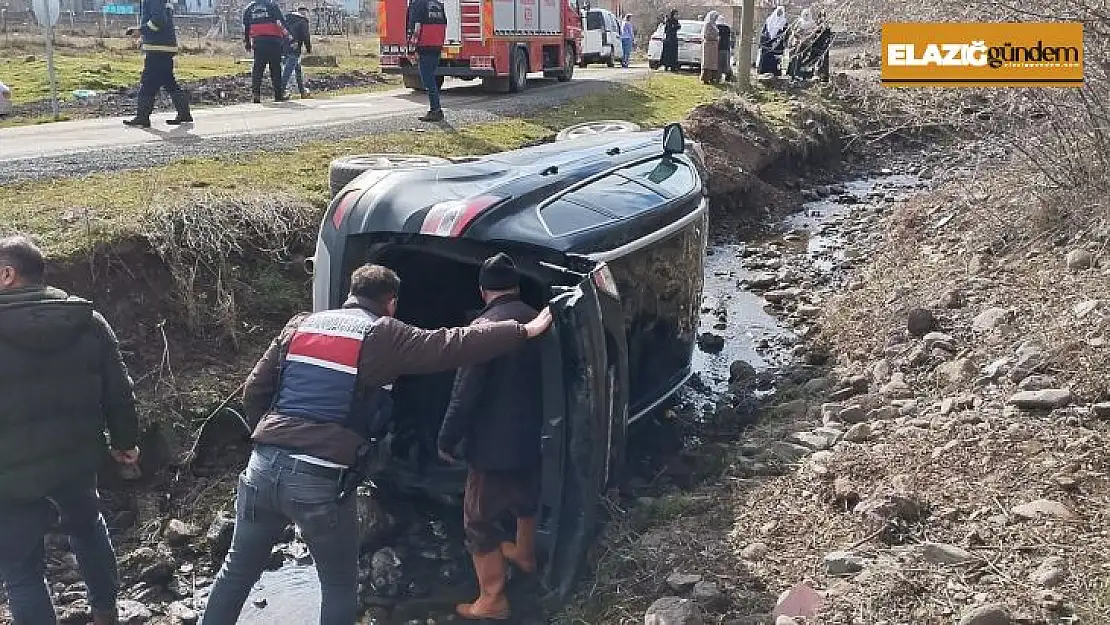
{"x": 500, "y": 42}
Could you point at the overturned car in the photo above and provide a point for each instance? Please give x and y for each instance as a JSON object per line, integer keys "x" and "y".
{"x": 610, "y": 228}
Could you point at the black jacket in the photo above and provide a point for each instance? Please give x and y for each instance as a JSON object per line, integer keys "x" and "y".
{"x": 62, "y": 383}
{"x": 299, "y": 33}
{"x": 497, "y": 407}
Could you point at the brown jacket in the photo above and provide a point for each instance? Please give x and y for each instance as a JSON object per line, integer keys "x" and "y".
{"x": 391, "y": 349}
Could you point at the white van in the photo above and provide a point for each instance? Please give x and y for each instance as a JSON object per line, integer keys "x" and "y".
{"x": 601, "y": 38}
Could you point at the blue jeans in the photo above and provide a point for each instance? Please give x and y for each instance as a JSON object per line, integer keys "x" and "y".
{"x": 23, "y": 527}
{"x": 626, "y": 52}
{"x": 292, "y": 64}
{"x": 428, "y": 62}
{"x": 275, "y": 490}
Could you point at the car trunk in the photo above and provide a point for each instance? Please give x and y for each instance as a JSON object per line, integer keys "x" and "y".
{"x": 439, "y": 288}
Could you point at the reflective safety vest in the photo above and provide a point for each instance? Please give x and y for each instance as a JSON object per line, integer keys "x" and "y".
{"x": 433, "y": 26}
{"x": 319, "y": 376}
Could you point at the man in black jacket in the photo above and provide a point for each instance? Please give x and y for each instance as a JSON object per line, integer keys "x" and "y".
{"x": 300, "y": 37}
{"x": 62, "y": 383}
{"x": 497, "y": 408}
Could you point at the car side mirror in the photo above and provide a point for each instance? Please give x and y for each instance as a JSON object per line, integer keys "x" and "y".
{"x": 674, "y": 139}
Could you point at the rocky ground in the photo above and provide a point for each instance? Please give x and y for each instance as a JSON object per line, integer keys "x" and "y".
{"x": 934, "y": 451}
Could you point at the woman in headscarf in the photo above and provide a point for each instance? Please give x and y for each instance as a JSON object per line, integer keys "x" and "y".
{"x": 710, "y": 50}
{"x": 772, "y": 41}
{"x": 669, "y": 58}
{"x": 810, "y": 39}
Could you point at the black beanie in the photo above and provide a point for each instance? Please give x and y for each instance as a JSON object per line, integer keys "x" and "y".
{"x": 499, "y": 274}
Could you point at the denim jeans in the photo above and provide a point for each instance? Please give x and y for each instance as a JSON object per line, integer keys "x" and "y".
{"x": 275, "y": 490}
{"x": 626, "y": 52}
{"x": 292, "y": 64}
{"x": 428, "y": 63}
{"x": 23, "y": 526}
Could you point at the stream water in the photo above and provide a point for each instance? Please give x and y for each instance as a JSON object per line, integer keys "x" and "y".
{"x": 432, "y": 576}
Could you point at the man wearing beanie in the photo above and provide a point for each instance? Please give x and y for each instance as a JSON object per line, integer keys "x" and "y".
{"x": 496, "y": 408}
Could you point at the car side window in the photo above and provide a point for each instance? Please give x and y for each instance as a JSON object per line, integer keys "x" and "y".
{"x": 619, "y": 195}
{"x": 595, "y": 21}
{"x": 674, "y": 177}
{"x": 564, "y": 217}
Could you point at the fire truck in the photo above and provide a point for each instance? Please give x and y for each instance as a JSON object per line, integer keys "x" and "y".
{"x": 497, "y": 41}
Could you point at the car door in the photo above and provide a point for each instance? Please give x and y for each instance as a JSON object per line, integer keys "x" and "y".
{"x": 576, "y": 434}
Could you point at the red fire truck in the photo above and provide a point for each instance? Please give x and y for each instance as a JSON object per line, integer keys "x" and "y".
{"x": 498, "y": 41}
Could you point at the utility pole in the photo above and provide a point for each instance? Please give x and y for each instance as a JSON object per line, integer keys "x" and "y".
{"x": 747, "y": 36}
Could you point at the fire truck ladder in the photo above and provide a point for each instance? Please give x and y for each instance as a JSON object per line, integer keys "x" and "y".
{"x": 470, "y": 20}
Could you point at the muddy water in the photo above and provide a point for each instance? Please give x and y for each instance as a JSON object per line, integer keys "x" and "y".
{"x": 433, "y": 575}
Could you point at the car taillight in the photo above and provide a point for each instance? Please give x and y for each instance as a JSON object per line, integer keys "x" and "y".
{"x": 449, "y": 219}
{"x": 603, "y": 280}
{"x": 341, "y": 208}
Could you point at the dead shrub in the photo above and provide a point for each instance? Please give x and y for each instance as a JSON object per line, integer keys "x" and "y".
{"x": 209, "y": 239}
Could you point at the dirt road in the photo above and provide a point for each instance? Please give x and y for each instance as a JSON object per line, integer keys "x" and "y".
{"x": 86, "y": 146}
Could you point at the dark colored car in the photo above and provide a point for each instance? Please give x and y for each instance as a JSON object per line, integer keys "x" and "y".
{"x": 610, "y": 228}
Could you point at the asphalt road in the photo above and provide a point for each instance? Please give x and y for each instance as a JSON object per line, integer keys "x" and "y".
{"x": 96, "y": 145}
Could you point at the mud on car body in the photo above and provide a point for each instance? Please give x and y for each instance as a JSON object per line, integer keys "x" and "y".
{"x": 611, "y": 227}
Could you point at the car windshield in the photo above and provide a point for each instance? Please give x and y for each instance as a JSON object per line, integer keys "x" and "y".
{"x": 690, "y": 28}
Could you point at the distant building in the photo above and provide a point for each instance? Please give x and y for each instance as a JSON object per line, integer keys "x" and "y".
{"x": 200, "y": 7}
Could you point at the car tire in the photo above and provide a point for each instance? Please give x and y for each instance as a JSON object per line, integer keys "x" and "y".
{"x": 568, "y": 63}
{"x": 612, "y": 60}
{"x": 518, "y": 72}
{"x": 346, "y": 168}
{"x": 653, "y": 64}
{"x": 596, "y": 128}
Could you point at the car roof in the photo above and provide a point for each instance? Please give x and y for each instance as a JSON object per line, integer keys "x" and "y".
{"x": 522, "y": 180}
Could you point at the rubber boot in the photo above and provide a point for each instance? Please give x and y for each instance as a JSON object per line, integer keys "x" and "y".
{"x": 181, "y": 103}
{"x": 492, "y": 604}
{"x": 522, "y": 553}
{"x": 143, "y": 108}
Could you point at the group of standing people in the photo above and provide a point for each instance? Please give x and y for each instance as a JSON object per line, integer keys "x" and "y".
{"x": 317, "y": 399}
{"x": 717, "y": 43}
{"x": 277, "y": 41}
{"x": 805, "y": 44}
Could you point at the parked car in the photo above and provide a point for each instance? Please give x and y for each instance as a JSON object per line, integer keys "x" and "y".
{"x": 601, "y": 38}
{"x": 689, "y": 45}
{"x": 5, "y": 100}
{"x": 609, "y": 228}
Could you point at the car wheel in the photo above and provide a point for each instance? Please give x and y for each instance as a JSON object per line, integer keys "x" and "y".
{"x": 518, "y": 74}
{"x": 590, "y": 129}
{"x": 653, "y": 64}
{"x": 612, "y": 60}
{"x": 568, "y": 64}
{"x": 346, "y": 168}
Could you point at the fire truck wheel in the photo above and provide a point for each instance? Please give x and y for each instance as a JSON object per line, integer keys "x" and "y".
{"x": 568, "y": 64}
{"x": 518, "y": 74}
{"x": 412, "y": 81}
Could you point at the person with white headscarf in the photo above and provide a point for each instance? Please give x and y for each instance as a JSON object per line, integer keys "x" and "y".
{"x": 810, "y": 40}
{"x": 772, "y": 42}
{"x": 710, "y": 50}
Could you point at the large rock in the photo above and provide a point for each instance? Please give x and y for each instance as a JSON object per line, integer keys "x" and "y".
{"x": 711, "y": 343}
{"x": 708, "y": 594}
{"x": 133, "y": 612}
{"x": 1045, "y": 508}
{"x": 1042, "y": 400}
{"x": 674, "y": 611}
{"x": 858, "y": 433}
{"x": 941, "y": 553}
{"x": 1080, "y": 259}
{"x": 991, "y": 319}
{"x": 740, "y": 371}
{"x": 843, "y": 563}
{"x": 957, "y": 373}
{"x": 920, "y": 322}
{"x": 181, "y": 614}
{"x": 1031, "y": 358}
{"x": 375, "y": 524}
{"x": 178, "y": 533}
{"x": 993, "y": 614}
{"x": 755, "y": 552}
{"x": 940, "y": 340}
{"x": 219, "y": 535}
{"x": 1037, "y": 383}
{"x": 682, "y": 582}
{"x": 1050, "y": 573}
